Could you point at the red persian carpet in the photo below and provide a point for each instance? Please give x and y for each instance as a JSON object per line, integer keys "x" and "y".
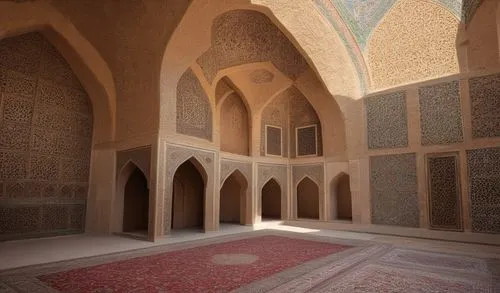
{"x": 212, "y": 268}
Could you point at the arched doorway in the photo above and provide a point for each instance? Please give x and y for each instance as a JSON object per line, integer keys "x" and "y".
{"x": 342, "y": 198}
{"x": 271, "y": 200}
{"x": 307, "y": 199}
{"x": 188, "y": 198}
{"x": 233, "y": 199}
{"x": 136, "y": 203}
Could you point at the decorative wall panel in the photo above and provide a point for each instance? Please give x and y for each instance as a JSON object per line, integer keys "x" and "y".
{"x": 141, "y": 157}
{"x": 45, "y": 140}
{"x": 387, "y": 121}
{"x": 273, "y": 141}
{"x": 485, "y": 105}
{"x": 244, "y": 36}
{"x": 306, "y": 141}
{"x": 393, "y": 188}
{"x": 484, "y": 189}
{"x": 444, "y": 192}
{"x": 440, "y": 114}
{"x": 194, "y": 114}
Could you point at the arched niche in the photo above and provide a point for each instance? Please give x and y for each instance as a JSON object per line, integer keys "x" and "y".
{"x": 118, "y": 208}
{"x": 307, "y": 199}
{"x": 234, "y": 199}
{"x": 341, "y": 201}
{"x": 271, "y": 200}
{"x": 136, "y": 203}
{"x": 45, "y": 138}
{"x": 194, "y": 35}
{"x": 188, "y": 196}
{"x": 291, "y": 123}
{"x": 235, "y": 130}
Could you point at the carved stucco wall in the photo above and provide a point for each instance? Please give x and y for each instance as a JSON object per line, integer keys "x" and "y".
{"x": 485, "y": 106}
{"x": 444, "y": 192}
{"x": 194, "y": 115}
{"x": 440, "y": 114}
{"x": 316, "y": 173}
{"x": 267, "y": 172}
{"x": 387, "y": 121}
{"x": 393, "y": 188}
{"x": 227, "y": 167}
{"x": 244, "y": 36}
{"x": 289, "y": 110}
{"x": 400, "y": 51}
{"x": 177, "y": 155}
{"x": 484, "y": 189}
{"x": 234, "y": 126}
{"x": 141, "y": 157}
{"x": 45, "y": 140}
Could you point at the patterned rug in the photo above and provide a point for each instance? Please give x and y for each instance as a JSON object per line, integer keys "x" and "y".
{"x": 264, "y": 261}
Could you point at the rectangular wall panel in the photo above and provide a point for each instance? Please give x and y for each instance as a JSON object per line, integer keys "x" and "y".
{"x": 444, "y": 192}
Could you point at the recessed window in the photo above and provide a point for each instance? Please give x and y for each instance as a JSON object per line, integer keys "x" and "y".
{"x": 307, "y": 141}
{"x": 274, "y": 146}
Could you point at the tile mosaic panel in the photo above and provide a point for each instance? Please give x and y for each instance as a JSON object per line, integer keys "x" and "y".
{"x": 484, "y": 189}
{"x": 387, "y": 122}
{"x": 393, "y": 188}
{"x": 485, "y": 106}
{"x": 440, "y": 114}
{"x": 444, "y": 192}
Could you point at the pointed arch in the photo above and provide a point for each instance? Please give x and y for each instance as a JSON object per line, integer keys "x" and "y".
{"x": 271, "y": 200}
{"x": 123, "y": 177}
{"x": 308, "y": 199}
{"x": 235, "y": 124}
{"x": 340, "y": 197}
{"x": 188, "y": 207}
{"x": 235, "y": 199}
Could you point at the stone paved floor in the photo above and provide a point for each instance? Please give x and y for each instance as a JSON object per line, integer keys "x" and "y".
{"x": 374, "y": 263}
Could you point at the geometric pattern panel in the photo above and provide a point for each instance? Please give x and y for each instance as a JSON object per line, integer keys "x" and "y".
{"x": 484, "y": 189}
{"x": 440, "y": 114}
{"x": 485, "y": 106}
{"x": 275, "y": 114}
{"x": 387, "y": 123}
{"x": 194, "y": 115}
{"x": 45, "y": 138}
{"x": 273, "y": 141}
{"x": 444, "y": 192}
{"x": 306, "y": 141}
{"x": 234, "y": 42}
{"x": 393, "y": 188}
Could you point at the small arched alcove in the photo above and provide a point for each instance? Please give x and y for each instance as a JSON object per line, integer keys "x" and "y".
{"x": 307, "y": 199}
{"x": 188, "y": 196}
{"x": 271, "y": 200}
{"x": 341, "y": 201}
{"x": 233, "y": 199}
{"x": 234, "y": 125}
{"x": 136, "y": 203}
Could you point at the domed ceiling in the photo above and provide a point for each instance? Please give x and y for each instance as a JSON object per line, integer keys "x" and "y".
{"x": 356, "y": 20}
